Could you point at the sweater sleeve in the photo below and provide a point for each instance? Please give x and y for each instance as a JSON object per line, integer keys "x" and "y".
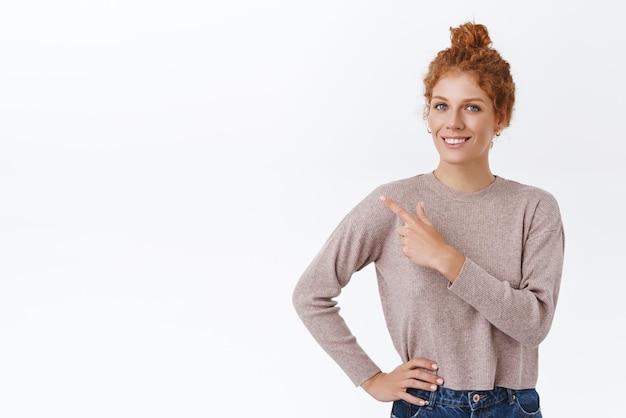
{"x": 523, "y": 313}
{"x": 349, "y": 248}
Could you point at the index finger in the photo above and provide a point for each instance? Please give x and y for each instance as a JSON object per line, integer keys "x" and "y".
{"x": 398, "y": 210}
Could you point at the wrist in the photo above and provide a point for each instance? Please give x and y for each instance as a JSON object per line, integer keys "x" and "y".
{"x": 451, "y": 263}
{"x": 369, "y": 382}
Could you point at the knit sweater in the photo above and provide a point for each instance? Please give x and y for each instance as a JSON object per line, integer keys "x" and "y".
{"x": 484, "y": 329}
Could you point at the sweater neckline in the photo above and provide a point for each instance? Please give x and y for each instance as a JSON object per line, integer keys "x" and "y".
{"x": 446, "y": 191}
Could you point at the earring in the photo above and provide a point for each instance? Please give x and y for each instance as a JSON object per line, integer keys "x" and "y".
{"x": 498, "y": 133}
{"x": 429, "y": 130}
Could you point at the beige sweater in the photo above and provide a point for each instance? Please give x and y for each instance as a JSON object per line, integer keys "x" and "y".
{"x": 483, "y": 330}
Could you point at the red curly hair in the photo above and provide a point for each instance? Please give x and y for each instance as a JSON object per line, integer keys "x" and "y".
{"x": 471, "y": 52}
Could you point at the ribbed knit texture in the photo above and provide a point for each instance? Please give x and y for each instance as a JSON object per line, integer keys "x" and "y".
{"x": 485, "y": 328}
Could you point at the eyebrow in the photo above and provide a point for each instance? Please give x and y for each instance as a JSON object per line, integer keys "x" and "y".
{"x": 471, "y": 99}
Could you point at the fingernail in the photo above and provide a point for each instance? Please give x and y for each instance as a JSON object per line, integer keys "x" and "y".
{"x": 440, "y": 381}
{"x": 435, "y": 367}
{"x": 433, "y": 387}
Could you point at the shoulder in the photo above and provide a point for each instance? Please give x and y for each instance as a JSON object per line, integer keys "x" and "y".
{"x": 527, "y": 191}
{"x": 372, "y": 213}
{"x": 541, "y": 206}
{"x": 402, "y": 188}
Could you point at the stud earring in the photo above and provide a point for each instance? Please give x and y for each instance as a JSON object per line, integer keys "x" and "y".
{"x": 429, "y": 130}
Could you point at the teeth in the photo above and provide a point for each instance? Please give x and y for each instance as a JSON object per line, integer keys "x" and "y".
{"x": 454, "y": 140}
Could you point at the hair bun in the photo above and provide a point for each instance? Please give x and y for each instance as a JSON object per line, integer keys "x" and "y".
{"x": 470, "y": 35}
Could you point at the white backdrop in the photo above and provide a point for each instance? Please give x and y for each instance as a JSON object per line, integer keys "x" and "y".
{"x": 169, "y": 168}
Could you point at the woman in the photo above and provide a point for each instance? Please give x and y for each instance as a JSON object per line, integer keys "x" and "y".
{"x": 468, "y": 263}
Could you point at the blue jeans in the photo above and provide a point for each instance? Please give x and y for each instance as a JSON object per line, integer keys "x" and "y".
{"x": 448, "y": 403}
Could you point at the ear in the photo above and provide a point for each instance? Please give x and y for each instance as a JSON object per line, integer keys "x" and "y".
{"x": 499, "y": 127}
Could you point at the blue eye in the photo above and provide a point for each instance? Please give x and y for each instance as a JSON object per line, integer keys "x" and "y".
{"x": 473, "y": 108}
{"x": 440, "y": 106}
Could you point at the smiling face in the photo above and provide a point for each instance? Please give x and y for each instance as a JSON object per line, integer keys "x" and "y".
{"x": 463, "y": 122}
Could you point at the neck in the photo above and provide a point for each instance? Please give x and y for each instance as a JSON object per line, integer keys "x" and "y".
{"x": 464, "y": 179}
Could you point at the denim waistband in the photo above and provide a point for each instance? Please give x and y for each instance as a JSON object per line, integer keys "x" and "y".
{"x": 474, "y": 399}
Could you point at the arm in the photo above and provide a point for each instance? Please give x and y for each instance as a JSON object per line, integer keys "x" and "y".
{"x": 345, "y": 252}
{"x": 357, "y": 241}
{"x": 524, "y": 314}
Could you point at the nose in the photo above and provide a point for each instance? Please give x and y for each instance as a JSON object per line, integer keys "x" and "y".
{"x": 455, "y": 121}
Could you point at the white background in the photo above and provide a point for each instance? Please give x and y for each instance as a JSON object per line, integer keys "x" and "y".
{"x": 169, "y": 168}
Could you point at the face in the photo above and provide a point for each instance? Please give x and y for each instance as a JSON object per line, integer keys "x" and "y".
{"x": 462, "y": 120}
